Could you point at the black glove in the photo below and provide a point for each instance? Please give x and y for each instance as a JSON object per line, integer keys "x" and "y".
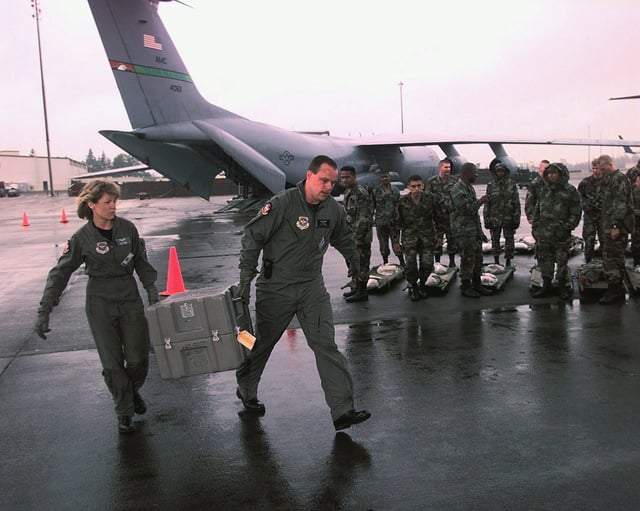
{"x": 244, "y": 292}
{"x": 42, "y": 324}
{"x": 152, "y": 294}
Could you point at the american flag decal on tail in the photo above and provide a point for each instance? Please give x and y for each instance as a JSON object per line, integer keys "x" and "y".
{"x": 149, "y": 41}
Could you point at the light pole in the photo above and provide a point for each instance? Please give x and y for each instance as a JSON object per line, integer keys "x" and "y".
{"x": 401, "y": 109}
{"x": 36, "y": 7}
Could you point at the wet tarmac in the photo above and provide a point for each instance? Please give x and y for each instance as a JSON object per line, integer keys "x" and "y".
{"x": 502, "y": 402}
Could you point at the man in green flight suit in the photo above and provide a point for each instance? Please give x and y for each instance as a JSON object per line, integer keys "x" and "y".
{"x": 293, "y": 231}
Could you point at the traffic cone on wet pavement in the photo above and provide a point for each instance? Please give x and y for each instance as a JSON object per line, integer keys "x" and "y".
{"x": 25, "y": 220}
{"x": 63, "y": 217}
{"x": 175, "y": 283}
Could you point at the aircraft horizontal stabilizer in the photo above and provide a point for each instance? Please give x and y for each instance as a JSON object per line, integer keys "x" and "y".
{"x": 193, "y": 169}
{"x": 251, "y": 160}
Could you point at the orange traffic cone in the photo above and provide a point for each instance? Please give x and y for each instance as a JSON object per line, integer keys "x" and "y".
{"x": 174, "y": 275}
{"x": 25, "y": 220}
{"x": 63, "y": 217}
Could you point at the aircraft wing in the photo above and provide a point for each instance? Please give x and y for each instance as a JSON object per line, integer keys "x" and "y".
{"x": 122, "y": 171}
{"x": 407, "y": 141}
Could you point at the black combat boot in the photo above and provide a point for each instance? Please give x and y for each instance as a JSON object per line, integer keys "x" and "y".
{"x": 496, "y": 259}
{"x": 352, "y": 285}
{"x": 543, "y": 291}
{"x": 360, "y": 294}
{"x": 401, "y": 260}
{"x": 423, "y": 289}
{"x": 467, "y": 289}
{"x": 566, "y": 291}
{"x": 476, "y": 283}
{"x": 385, "y": 259}
{"x": 452, "y": 260}
{"x": 507, "y": 262}
{"x": 414, "y": 292}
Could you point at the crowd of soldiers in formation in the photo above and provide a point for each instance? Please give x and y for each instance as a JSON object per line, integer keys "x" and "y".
{"x": 417, "y": 223}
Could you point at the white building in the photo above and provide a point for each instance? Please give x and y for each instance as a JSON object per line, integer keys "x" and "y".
{"x": 31, "y": 173}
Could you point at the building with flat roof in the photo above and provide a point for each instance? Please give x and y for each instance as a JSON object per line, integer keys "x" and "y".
{"x": 31, "y": 173}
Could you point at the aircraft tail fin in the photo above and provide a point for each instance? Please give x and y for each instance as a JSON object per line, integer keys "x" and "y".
{"x": 627, "y": 148}
{"x": 153, "y": 81}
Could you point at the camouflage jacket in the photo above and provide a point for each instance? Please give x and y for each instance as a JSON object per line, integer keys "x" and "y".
{"x": 632, "y": 173}
{"x": 590, "y": 190}
{"x": 533, "y": 191}
{"x": 503, "y": 208}
{"x": 558, "y": 209}
{"x": 416, "y": 221}
{"x": 358, "y": 207}
{"x": 635, "y": 195}
{"x": 465, "y": 219}
{"x": 385, "y": 203}
{"x": 617, "y": 203}
{"x": 441, "y": 191}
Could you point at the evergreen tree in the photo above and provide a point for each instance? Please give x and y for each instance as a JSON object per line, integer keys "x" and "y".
{"x": 123, "y": 160}
{"x": 91, "y": 162}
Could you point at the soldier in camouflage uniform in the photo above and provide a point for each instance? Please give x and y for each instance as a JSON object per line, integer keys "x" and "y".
{"x": 465, "y": 221}
{"x": 385, "y": 203}
{"x": 502, "y": 212}
{"x": 633, "y": 172}
{"x": 557, "y": 213}
{"x": 358, "y": 207}
{"x": 533, "y": 191}
{"x": 591, "y": 196}
{"x": 616, "y": 222}
{"x": 415, "y": 222}
{"x": 440, "y": 187}
{"x": 635, "y": 234}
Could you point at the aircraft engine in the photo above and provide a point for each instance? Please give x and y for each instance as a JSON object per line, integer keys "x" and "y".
{"x": 456, "y": 163}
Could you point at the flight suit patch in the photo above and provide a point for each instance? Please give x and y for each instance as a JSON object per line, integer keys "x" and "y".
{"x": 66, "y": 248}
{"x": 302, "y": 223}
{"x": 102, "y": 247}
{"x": 123, "y": 241}
{"x": 323, "y": 223}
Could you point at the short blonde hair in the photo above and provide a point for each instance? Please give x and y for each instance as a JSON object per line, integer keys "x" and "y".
{"x": 93, "y": 192}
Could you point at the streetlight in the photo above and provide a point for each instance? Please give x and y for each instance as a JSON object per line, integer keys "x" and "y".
{"x": 36, "y": 7}
{"x": 401, "y": 109}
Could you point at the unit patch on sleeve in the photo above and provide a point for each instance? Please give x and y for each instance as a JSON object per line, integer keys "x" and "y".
{"x": 266, "y": 208}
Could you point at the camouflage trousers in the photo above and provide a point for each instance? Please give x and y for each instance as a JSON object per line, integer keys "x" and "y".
{"x": 554, "y": 255}
{"x": 442, "y": 231}
{"x": 509, "y": 241}
{"x": 613, "y": 257}
{"x": 364, "y": 255}
{"x": 419, "y": 261}
{"x": 590, "y": 229}
{"x": 470, "y": 257}
{"x": 635, "y": 239}
{"x": 383, "y": 232}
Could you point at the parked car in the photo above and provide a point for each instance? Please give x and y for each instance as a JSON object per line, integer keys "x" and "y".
{"x": 13, "y": 192}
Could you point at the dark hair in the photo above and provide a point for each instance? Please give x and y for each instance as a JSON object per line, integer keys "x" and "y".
{"x": 320, "y": 160}
{"x": 349, "y": 168}
{"x": 445, "y": 160}
{"x": 415, "y": 177}
{"x": 544, "y": 161}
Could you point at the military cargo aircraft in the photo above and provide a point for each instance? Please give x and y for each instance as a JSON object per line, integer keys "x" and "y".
{"x": 189, "y": 140}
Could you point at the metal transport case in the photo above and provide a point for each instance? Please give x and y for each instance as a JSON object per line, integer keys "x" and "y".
{"x": 195, "y": 332}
